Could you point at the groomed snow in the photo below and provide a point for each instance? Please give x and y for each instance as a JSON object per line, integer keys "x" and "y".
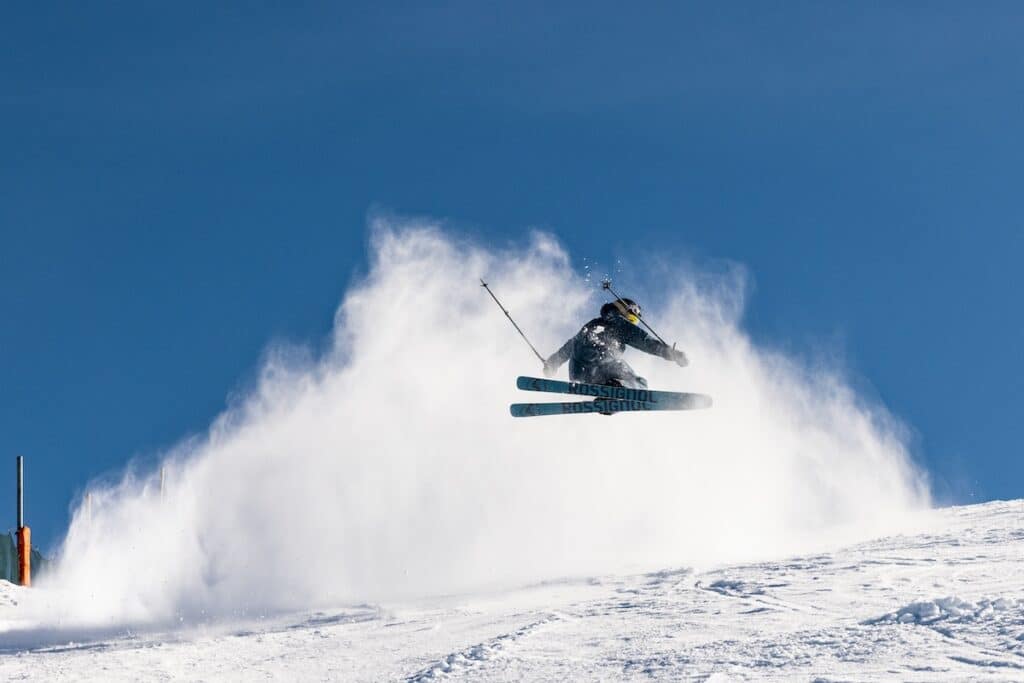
{"x": 946, "y": 603}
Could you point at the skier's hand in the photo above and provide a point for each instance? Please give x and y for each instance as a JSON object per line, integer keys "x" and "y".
{"x": 678, "y": 356}
{"x": 550, "y": 369}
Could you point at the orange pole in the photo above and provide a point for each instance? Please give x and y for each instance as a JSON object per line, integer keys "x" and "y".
{"x": 24, "y": 535}
{"x": 24, "y": 556}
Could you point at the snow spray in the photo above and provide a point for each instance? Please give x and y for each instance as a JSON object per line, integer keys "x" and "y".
{"x": 405, "y": 476}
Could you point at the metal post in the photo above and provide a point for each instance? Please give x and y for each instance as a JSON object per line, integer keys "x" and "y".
{"x": 21, "y": 491}
{"x": 24, "y": 533}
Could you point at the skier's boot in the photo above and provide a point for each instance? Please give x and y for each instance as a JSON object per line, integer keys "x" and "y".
{"x": 609, "y": 383}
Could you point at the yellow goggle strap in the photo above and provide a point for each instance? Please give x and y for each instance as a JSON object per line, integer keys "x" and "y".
{"x": 626, "y": 313}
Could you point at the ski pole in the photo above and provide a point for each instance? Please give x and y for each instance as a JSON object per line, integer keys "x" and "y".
{"x": 509, "y": 316}
{"x": 607, "y": 284}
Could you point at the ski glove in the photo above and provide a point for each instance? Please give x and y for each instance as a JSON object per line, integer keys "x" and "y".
{"x": 550, "y": 369}
{"x": 678, "y": 356}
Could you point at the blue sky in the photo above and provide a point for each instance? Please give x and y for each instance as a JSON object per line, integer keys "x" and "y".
{"x": 181, "y": 184}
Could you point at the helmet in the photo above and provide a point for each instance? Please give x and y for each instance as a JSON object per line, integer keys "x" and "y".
{"x": 627, "y": 308}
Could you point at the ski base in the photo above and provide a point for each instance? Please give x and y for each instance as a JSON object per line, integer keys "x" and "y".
{"x": 659, "y": 400}
{"x": 601, "y": 406}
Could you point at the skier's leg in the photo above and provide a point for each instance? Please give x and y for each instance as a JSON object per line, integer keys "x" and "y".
{"x": 588, "y": 374}
{"x": 612, "y": 372}
{"x": 616, "y": 373}
{"x": 619, "y": 373}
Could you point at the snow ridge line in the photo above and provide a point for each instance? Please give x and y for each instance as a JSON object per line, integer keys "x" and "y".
{"x": 476, "y": 654}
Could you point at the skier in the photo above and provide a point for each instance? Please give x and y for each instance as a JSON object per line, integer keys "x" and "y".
{"x": 595, "y": 353}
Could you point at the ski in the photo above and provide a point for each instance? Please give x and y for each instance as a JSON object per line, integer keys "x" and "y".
{"x": 603, "y": 406}
{"x": 660, "y": 400}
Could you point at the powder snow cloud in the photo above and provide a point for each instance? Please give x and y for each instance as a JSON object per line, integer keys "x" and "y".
{"x": 389, "y": 467}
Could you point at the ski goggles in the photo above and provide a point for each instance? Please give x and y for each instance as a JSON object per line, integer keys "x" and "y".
{"x": 630, "y": 312}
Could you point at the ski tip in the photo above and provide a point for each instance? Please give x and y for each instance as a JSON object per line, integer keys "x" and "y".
{"x": 695, "y": 402}
{"x": 522, "y": 410}
{"x": 527, "y": 383}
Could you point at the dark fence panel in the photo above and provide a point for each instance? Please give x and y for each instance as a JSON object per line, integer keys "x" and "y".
{"x": 9, "y": 560}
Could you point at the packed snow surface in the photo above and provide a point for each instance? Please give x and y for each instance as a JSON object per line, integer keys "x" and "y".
{"x": 945, "y": 602}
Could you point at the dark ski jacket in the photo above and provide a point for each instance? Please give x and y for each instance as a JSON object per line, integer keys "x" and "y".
{"x": 602, "y": 341}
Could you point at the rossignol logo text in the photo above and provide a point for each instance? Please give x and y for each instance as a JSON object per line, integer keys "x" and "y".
{"x": 605, "y": 406}
{"x": 620, "y": 393}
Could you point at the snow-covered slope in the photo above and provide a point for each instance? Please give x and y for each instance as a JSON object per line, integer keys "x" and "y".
{"x": 946, "y": 603}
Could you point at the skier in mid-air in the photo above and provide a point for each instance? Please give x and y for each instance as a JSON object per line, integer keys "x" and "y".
{"x": 595, "y": 353}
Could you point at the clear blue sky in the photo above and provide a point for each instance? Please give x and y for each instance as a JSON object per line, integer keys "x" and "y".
{"x": 182, "y": 183}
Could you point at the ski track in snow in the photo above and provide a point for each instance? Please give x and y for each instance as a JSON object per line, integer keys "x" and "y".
{"x": 457, "y": 661}
{"x": 947, "y": 604}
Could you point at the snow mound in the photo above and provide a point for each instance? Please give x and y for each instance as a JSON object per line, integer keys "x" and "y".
{"x": 952, "y": 607}
{"x": 7, "y": 592}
